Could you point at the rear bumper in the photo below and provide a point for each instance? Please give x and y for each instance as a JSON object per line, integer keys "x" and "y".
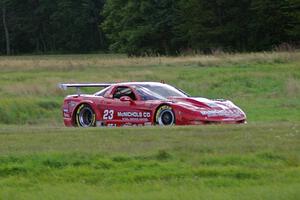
{"x": 68, "y": 122}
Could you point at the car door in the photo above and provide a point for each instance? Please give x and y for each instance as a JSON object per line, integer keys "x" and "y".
{"x": 123, "y": 108}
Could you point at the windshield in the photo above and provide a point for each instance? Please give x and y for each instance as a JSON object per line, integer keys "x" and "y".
{"x": 146, "y": 94}
{"x": 154, "y": 92}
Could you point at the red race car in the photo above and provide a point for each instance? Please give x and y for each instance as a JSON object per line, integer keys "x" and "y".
{"x": 144, "y": 103}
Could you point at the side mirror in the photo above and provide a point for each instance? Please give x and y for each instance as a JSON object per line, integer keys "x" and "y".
{"x": 126, "y": 98}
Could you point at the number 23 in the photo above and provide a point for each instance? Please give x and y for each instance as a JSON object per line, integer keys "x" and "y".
{"x": 108, "y": 114}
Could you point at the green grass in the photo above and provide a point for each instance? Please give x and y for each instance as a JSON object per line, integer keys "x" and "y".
{"x": 266, "y": 86}
{"x": 40, "y": 159}
{"x": 257, "y": 161}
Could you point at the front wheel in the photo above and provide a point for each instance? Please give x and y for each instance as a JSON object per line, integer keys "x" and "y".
{"x": 165, "y": 116}
{"x": 85, "y": 116}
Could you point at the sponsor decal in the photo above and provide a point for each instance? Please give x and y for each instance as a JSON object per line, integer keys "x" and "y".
{"x": 67, "y": 115}
{"x": 134, "y": 114}
{"x": 127, "y": 124}
{"x": 126, "y": 116}
{"x": 212, "y": 105}
{"x": 147, "y": 124}
{"x": 221, "y": 113}
{"x": 134, "y": 119}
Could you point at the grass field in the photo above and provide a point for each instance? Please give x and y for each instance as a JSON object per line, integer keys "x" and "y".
{"x": 266, "y": 86}
{"x": 40, "y": 159}
{"x": 257, "y": 161}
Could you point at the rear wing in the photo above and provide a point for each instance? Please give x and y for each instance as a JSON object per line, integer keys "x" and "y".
{"x": 65, "y": 86}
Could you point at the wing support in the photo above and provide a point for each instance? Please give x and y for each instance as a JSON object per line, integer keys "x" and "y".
{"x": 65, "y": 86}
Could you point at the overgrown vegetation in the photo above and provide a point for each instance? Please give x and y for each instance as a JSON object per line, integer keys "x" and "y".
{"x": 265, "y": 85}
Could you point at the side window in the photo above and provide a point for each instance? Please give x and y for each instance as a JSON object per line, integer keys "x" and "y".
{"x": 102, "y": 92}
{"x": 123, "y": 91}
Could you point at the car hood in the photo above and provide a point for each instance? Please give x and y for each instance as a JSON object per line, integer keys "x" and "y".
{"x": 210, "y": 108}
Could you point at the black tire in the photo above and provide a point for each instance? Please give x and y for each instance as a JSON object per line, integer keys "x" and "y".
{"x": 165, "y": 116}
{"x": 85, "y": 116}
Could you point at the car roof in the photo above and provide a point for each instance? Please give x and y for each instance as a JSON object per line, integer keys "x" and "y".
{"x": 140, "y": 83}
{"x": 129, "y": 84}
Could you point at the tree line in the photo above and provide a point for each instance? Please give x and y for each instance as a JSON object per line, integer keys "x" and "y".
{"x": 146, "y": 27}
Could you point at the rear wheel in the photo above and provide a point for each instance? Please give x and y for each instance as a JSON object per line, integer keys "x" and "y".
{"x": 165, "y": 116}
{"x": 85, "y": 116}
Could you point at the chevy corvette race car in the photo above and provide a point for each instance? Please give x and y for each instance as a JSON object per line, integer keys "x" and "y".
{"x": 144, "y": 103}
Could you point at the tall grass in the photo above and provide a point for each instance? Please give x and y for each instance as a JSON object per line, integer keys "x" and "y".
{"x": 73, "y": 62}
{"x": 258, "y": 82}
